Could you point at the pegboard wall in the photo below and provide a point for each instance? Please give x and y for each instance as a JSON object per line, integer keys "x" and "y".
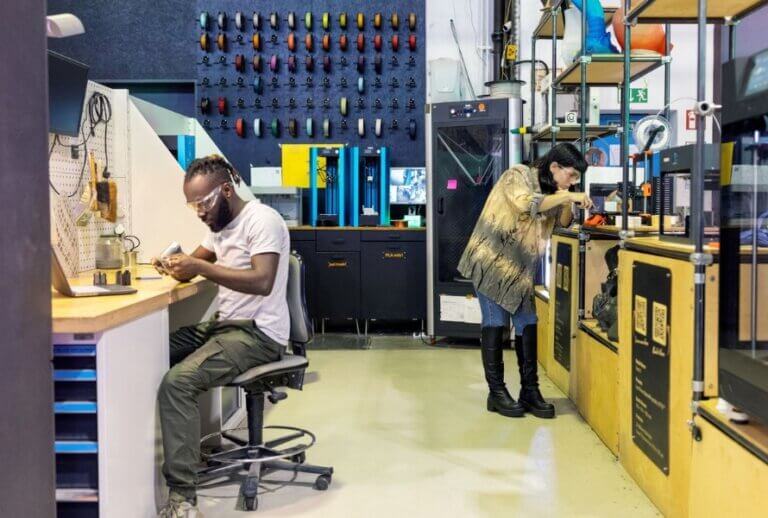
{"x": 76, "y": 244}
{"x": 285, "y": 94}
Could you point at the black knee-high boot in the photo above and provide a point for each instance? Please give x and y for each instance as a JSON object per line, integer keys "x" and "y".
{"x": 499, "y": 399}
{"x": 530, "y": 396}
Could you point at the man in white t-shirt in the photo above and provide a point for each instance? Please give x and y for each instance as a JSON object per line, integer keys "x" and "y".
{"x": 246, "y": 253}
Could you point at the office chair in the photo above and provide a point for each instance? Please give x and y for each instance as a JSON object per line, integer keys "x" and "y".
{"x": 255, "y": 455}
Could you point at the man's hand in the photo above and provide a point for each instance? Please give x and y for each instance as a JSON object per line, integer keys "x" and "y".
{"x": 158, "y": 265}
{"x": 183, "y": 267}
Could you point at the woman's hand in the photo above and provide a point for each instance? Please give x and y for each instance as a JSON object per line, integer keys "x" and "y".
{"x": 582, "y": 200}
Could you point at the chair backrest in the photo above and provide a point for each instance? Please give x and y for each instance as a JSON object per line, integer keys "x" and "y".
{"x": 301, "y": 327}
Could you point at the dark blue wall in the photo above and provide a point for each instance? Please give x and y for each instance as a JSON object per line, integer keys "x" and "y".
{"x": 264, "y": 151}
{"x": 156, "y": 43}
{"x": 134, "y": 39}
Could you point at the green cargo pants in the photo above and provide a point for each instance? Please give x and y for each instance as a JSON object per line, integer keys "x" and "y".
{"x": 210, "y": 354}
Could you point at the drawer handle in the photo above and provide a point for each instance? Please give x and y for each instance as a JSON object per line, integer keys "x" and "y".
{"x": 338, "y": 262}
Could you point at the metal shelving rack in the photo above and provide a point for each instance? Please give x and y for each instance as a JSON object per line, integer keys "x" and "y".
{"x": 602, "y": 71}
{"x": 700, "y": 12}
{"x": 599, "y": 70}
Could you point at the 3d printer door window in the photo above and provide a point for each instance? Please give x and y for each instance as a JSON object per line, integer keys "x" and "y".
{"x": 467, "y": 160}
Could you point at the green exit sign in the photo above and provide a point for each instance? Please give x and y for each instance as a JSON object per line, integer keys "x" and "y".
{"x": 638, "y": 95}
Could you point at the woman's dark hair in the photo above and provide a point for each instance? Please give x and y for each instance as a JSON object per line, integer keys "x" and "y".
{"x": 564, "y": 154}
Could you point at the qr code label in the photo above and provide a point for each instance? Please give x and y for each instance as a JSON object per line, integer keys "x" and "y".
{"x": 566, "y": 278}
{"x": 559, "y": 276}
{"x": 641, "y": 315}
{"x": 660, "y": 323}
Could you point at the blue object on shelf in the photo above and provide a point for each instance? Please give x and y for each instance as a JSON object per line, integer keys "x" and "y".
{"x": 74, "y": 375}
{"x": 185, "y": 150}
{"x": 598, "y": 39}
{"x": 75, "y": 407}
{"x": 74, "y": 350}
{"x": 331, "y": 210}
{"x": 75, "y": 447}
{"x": 369, "y": 185}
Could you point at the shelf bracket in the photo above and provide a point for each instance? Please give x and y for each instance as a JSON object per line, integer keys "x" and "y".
{"x": 585, "y": 60}
{"x": 701, "y": 259}
{"x": 626, "y": 234}
{"x": 706, "y": 108}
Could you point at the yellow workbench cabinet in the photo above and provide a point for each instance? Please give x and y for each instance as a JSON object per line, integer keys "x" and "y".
{"x": 597, "y": 362}
{"x": 563, "y": 307}
{"x": 729, "y": 466}
{"x": 564, "y": 300}
{"x": 542, "y": 326}
{"x": 656, "y": 306}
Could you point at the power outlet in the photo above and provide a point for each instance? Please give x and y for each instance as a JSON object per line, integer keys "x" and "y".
{"x": 74, "y": 152}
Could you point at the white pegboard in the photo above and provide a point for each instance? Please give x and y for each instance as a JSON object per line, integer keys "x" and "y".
{"x": 76, "y": 244}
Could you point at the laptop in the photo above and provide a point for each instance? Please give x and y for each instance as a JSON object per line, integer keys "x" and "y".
{"x": 61, "y": 284}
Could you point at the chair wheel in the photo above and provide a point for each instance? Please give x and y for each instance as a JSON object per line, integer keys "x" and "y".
{"x": 251, "y": 503}
{"x": 299, "y": 458}
{"x": 322, "y": 482}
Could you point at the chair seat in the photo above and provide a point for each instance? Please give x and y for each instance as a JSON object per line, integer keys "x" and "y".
{"x": 289, "y": 363}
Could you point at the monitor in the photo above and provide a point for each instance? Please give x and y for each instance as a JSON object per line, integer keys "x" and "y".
{"x": 67, "y": 82}
{"x": 408, "y": 186}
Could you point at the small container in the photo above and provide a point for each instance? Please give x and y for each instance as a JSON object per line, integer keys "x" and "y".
{"x": 109, "y": 252}
{"x": 131, "y": 261}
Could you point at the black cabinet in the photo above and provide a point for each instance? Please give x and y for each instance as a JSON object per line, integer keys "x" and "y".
{"x": 338, "y": 241}
{"x": 363, "y": 274}
{"x": 394, "y": 278}
{"x": 338, "y": 285}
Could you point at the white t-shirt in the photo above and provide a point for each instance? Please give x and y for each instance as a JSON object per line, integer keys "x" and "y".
{"x": 258, "y": 229}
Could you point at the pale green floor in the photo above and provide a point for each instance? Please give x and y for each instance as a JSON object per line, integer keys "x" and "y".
{"x": 406, "y": 430}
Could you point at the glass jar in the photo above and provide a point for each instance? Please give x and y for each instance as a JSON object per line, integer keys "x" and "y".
{"x": 109, "y": 252}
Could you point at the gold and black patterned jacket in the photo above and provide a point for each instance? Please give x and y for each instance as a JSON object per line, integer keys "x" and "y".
{"x": 510, "y": 236}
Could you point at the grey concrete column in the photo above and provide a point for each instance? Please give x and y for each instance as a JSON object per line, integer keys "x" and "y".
{"x": 27, "y": 479}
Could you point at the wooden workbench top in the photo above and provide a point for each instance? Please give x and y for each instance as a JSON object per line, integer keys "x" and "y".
{"x": 94, "y": 314}
{"x": 592, "y": 327}
{"x": 753, "y": 435}
{"x": 657, "y": 243}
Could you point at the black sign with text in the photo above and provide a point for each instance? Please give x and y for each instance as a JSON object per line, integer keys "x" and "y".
{"x": 563, "y": 310}
{"x": 651, "y": 299}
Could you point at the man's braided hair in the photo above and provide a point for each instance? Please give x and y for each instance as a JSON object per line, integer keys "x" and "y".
{"x": 214, "y": 165}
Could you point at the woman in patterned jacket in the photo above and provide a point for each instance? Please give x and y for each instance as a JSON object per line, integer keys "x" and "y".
{"x": 502, "y": 257}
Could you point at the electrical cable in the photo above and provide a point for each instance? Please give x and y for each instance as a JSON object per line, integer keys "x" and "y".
{"x": 98, "y": 111}
{"x": 461, "y": 58}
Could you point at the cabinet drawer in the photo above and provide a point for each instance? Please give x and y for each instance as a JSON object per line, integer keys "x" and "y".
{"x": 393, "y": 235}
{"x": 302, "y": 235}
{"x": 394, "y": 280}
{"x": 338, "y": 285}
{"x": 338, "y": 241}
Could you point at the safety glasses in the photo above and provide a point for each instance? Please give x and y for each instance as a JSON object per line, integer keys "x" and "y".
{"x": 207, "y": 202}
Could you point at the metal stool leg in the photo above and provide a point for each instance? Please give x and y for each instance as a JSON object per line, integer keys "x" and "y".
{"x": 250, "y": 487}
